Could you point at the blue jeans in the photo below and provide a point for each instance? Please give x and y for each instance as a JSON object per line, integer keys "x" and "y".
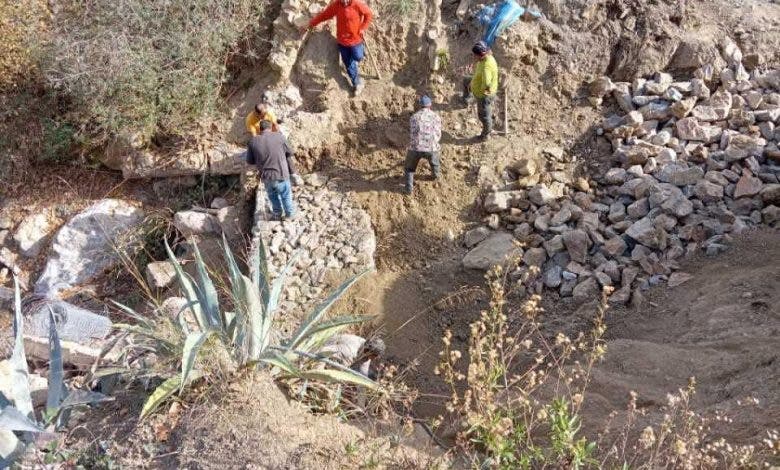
{"x": 351, "y": 55}
{"x": 280, "y": 194}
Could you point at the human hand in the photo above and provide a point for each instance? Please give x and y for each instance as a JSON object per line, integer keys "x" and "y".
{"x": 304, "y": 29}
{"x": 296, "y": 179}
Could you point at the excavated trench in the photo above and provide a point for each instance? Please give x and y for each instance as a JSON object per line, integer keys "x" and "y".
{"x": 420, "y": 288}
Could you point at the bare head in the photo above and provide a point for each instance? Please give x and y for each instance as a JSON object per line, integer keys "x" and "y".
{"x": 345, "y": 3}
{"x": 260, "y": 108}
{"x": 265, "y": 125}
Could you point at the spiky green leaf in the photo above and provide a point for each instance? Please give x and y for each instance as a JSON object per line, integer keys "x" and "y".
{"x": 192, "y": 346}
{"x": 278, "y": 285}
{"x": 164, "y": 391}
{"x": 280, "y": 362}
{"x": 84, "y": 397}
{"x": 11, "y": 419}
{"x": 320, "y": 310}
{"x": 56, "y": 391}
{"x": 20, "y": 387}
{"x": 259, "y": 324}
{"x": 188, "y": 289}
{"x": 322, "y": 332}
{"x": 233, "y": 270}
{"x": 207, "y": 292}
{"x": 259, "y": 270}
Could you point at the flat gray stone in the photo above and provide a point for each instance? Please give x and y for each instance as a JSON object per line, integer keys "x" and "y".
{"x": 494, "y": 250}
{"x": 73, "y": 323}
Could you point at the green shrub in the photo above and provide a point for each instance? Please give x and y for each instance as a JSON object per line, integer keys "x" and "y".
{"x": 58, "y": 141}
{"x": 146, "y": 67}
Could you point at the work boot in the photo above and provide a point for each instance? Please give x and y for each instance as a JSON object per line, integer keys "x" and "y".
{"x": 359, "y": 87}
{"x": 292, "y": 218}
{"x": 409, "y": 186}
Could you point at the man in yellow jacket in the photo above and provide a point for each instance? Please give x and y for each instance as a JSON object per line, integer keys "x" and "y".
{"x": 262, "y": 112}
{"x": 482, "y": 85}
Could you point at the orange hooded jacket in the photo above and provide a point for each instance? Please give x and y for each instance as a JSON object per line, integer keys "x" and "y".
{"x": 351, "y": 21}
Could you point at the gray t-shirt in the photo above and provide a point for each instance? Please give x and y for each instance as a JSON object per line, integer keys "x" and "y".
{"x": 272, "y": 155}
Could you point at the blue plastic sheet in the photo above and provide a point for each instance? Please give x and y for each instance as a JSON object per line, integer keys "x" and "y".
{"x": 499, "y": 16}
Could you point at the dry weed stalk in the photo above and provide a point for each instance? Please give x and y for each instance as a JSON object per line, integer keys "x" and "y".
{"x": 684, "y": 439}
{"x": 518, "y": 403}
{"x": 519, "y": 399}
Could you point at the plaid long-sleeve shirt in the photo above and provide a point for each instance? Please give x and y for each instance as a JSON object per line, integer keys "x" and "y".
{"x": 425, "y": 131}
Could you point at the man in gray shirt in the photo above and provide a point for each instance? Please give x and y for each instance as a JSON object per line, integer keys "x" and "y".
{"x": 271, "y": 153}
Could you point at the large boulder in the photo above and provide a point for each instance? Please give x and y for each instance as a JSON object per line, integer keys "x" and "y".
{"x": 82, "y": 333}
{"x": 492, "y": 251}
{"x": 88, "y": 245}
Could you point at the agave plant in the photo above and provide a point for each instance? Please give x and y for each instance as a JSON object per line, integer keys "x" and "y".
{"x": 247, "y": 331}
{"x": 18, "y": 423}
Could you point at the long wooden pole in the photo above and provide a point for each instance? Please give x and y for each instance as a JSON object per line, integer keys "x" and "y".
{"x": 371, "y": 56}
{"x": 506, "y": 110}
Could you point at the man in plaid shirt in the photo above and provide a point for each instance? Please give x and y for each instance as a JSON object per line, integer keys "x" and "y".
{"x": 425, "y": 133}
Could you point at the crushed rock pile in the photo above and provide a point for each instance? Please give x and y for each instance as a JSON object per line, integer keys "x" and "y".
{"x": 698, "y": 163}
{"x": 331, "y": 238}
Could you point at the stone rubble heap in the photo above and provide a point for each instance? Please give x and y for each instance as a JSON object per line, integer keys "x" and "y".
{"x": 699, "y": 162}
{"x": 333, "y": 239}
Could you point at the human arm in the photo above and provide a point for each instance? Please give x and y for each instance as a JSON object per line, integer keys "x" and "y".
{"x": 490, "y": 76}
{"x": 250, "y": 155}
{"x": 290, "y": 157}
{"x": 365, "y": 11}
{"x": 326, "y": 14}
{"x": 414, "y": 131}
{"x": 251, "y": 124}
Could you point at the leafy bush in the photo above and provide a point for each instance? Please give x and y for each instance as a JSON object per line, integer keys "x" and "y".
{"x": 58, "y": 140}
{"x": 246, "y": 334}
{"x": 146, "y": 67}
{"x": 17, "y": 417}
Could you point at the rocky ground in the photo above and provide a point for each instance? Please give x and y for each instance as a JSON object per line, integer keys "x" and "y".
{"x": 640, "y": 140}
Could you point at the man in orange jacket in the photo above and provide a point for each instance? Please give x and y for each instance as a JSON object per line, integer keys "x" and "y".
{"x": 352, "y": 20}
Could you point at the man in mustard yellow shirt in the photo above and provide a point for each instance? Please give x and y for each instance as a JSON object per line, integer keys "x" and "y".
{"x": 482, "y": 85}
{"x": 262, "y": 112}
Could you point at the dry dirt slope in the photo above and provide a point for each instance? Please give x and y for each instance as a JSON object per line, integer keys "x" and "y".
{"x": 722, "y": 327}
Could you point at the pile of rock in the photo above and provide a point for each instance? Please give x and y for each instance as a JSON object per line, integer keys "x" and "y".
{"x": 331, "y": 238}
{"x": 699, "y": 161}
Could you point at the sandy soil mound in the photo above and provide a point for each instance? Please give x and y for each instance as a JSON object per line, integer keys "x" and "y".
{"x": 721, "y": 327}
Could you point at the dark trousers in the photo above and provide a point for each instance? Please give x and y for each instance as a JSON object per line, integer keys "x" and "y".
{"x": 413, "y": 158}
{"x": 484, "y": 107}
{"x": 351, "y": 56}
